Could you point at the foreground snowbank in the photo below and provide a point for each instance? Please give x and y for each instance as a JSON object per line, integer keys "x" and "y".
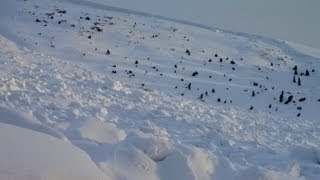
{"x": 30, "y": 155}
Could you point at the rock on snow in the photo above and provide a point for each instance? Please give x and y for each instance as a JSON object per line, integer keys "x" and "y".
{"x": 131, "y": 103}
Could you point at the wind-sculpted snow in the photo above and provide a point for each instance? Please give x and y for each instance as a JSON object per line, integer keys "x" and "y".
{"x": 154, "y": 99}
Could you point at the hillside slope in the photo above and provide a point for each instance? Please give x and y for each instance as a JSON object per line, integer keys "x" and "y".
{"x": 148, "y": 98}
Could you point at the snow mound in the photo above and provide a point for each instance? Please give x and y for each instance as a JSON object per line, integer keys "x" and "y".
{"x": 131, "y": 163}
{"x": 118, "y": 86}
{"x": 200, "y": 164}
{"x": 24, "y": 120}
{"x": 30, "y": 155}
{"x": 102, "y": 132}
{"x": 155, "y": 147}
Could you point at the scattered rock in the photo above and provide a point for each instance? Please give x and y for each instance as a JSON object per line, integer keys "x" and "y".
{"x": 307, "y": 72}
{"x": 62, "y": 11}
{"x": 281, "y": 97}
{"x": 289, "y": 100}
{"x": 195, "y": 73}
{"x": 188, "y": 52}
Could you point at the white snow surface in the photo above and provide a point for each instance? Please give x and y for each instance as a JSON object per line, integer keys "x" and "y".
{"x": 170, "y": 101}
{"x": 30, "y": 155}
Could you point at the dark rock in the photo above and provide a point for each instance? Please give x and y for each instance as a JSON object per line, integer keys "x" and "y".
{"x": 307, "y": 73}
{"x": 295, "y": 68}
{"x": 189, "y": 86}
{"x": 281, "y": 97}
{"x": 195, "y": 73}
{"x": 289, "y": 100}
{"x": 62, "y": 11}
{"x": 302, "y": 99}
{"x": 188, "y": 52}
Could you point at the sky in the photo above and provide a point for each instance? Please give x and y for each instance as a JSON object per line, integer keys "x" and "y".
{"x": 291, "y": 20}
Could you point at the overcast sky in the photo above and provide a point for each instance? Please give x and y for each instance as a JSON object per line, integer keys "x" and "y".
{"x": 293, "y": 20}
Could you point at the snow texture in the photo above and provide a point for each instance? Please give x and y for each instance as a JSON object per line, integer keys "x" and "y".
{"x": 89, "y": 91}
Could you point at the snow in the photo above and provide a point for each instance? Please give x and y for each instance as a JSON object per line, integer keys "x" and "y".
{"x": 102, "y": 132}
{"x": 27, "y": 154}
{"x": 138, "y": 112}
{"x": 272, "y": 18}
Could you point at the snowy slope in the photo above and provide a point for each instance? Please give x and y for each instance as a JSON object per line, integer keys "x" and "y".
{"x": 147, "y": 98}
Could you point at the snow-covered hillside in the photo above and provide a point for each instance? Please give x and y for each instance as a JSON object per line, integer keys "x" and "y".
{"x": 131, "y": 96}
